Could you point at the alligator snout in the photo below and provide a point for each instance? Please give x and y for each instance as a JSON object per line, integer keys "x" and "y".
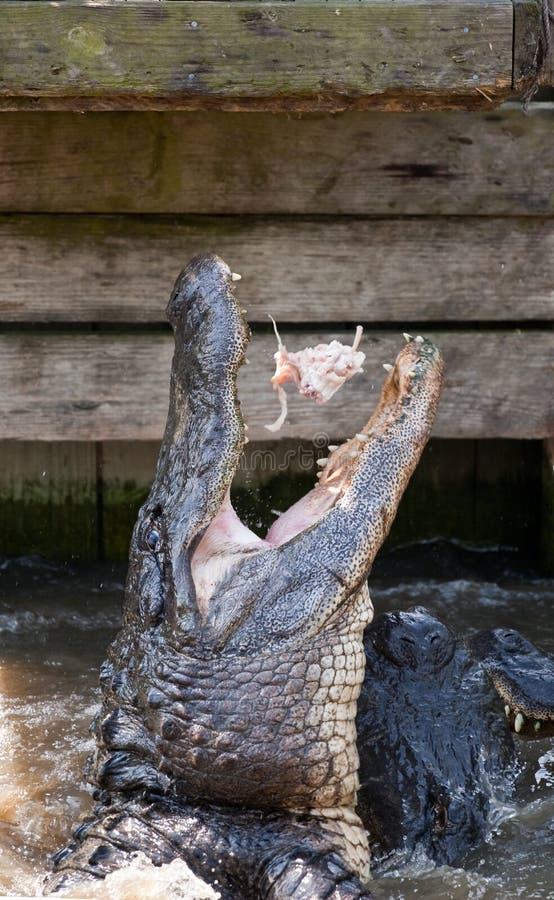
{"x": 413, "y": 640}
{"x": 523, "y": 676}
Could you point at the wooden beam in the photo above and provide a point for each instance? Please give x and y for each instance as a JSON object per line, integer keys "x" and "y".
{"x": 121, "y": 269}
{"x": 115, "y": 387}
{"x": 243, "y": 55}
{"x": 354, "y": 163}
{"x": 533, "y": 58}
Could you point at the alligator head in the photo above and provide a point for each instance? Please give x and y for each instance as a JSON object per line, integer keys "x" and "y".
{"x": 523, "y": 675}
{"x": 235, "y": 677}
{"x": 436, "y": 760}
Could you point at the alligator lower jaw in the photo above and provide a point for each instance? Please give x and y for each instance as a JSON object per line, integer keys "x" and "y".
{"x": 227, "y": 541}
{"x": 521, "y": 674}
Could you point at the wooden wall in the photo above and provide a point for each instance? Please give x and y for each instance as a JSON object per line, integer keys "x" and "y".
{"x": 440, "y": 223}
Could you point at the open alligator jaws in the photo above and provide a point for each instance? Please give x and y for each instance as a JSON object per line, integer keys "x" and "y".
{"x": 227, "y": 734}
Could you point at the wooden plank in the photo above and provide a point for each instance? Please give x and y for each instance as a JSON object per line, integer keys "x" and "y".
{"x": 293, "y": 56}
{"x": 48, "y": 499}
{"x": 354, "y": 163}
{"x": 527, "y": 34}
{"x": 127, "y": 472}
{"x": 49, "y": 493}
{"x": 533, "y": 58}
{"x": 120, "y": 269}
{"x": 115, "y": 387}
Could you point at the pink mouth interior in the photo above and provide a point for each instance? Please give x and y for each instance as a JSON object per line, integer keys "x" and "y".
{"x": 227, "y": 540}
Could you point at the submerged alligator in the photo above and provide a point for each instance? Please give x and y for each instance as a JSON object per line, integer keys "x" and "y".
{"x": 228, "y": 735}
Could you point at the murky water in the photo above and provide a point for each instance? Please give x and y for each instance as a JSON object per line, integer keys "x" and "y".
{"x": 55, "y": 624}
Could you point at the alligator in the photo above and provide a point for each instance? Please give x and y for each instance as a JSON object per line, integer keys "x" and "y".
{"x": 229, "y": 735}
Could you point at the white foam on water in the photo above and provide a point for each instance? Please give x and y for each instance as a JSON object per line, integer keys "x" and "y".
{"x": 141, "y": 878}
{"x": 545, "y": 772}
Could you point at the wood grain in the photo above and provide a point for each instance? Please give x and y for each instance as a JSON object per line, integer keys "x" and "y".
{"x": 300, "y": 55}
{"x": 529, "y": 49}
{"x": 121, "y": 269}
{"x": 115, "y": 387}
{"x": 212, "y": 163}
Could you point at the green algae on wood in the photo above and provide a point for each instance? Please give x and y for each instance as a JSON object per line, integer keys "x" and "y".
{"x": 48, "y": 499}
{"x": 303, "y": 55}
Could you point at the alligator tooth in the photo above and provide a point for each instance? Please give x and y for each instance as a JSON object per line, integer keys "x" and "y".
{"x": 387, "y": 367}
{"x": 246, "y": 440}
{"x": 407, "y": 337}
{"x": 519, "y": 723}
{"x": 332, "y": 447}
{"x": 419, "y": 339}
{"x": 246, "y": 361}
{"x": 322, "y": 461}
{"x": 246, "y": 427}
{"x": 352, "y": 454}
{"x": 362, "y": 437}
{"x": 507, "y": 710}
{"x": 537, "y": 725}
{"x": 412, "y": 374}
{"x": 235, "y": 276}
{"x": 244, "y": 311}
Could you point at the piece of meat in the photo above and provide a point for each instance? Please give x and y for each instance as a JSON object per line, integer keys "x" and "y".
{"x": 318, "y": 372}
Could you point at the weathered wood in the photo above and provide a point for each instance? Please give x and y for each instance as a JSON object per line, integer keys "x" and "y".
{"x": 66, "y": 500}
{"x": 127, "y": 472}
{"x": 115, "y": 387}
{"x": 547, "y": 519}
{"x": 48, "y": 501}
{"x": 358, "y": 163}
{"x": 530, "y": 56}
{"x": 301, "y": 55}
{"x": 120, "y": 269}
{"x": 527, "y": 31}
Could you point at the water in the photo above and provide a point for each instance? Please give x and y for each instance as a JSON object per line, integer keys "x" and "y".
{"x": 55, "y": 625}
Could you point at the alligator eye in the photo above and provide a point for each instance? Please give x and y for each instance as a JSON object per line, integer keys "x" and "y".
{"x": 153, "y": 539}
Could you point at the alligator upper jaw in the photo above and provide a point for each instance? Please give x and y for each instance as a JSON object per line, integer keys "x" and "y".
{"x": 189, "y": 509}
